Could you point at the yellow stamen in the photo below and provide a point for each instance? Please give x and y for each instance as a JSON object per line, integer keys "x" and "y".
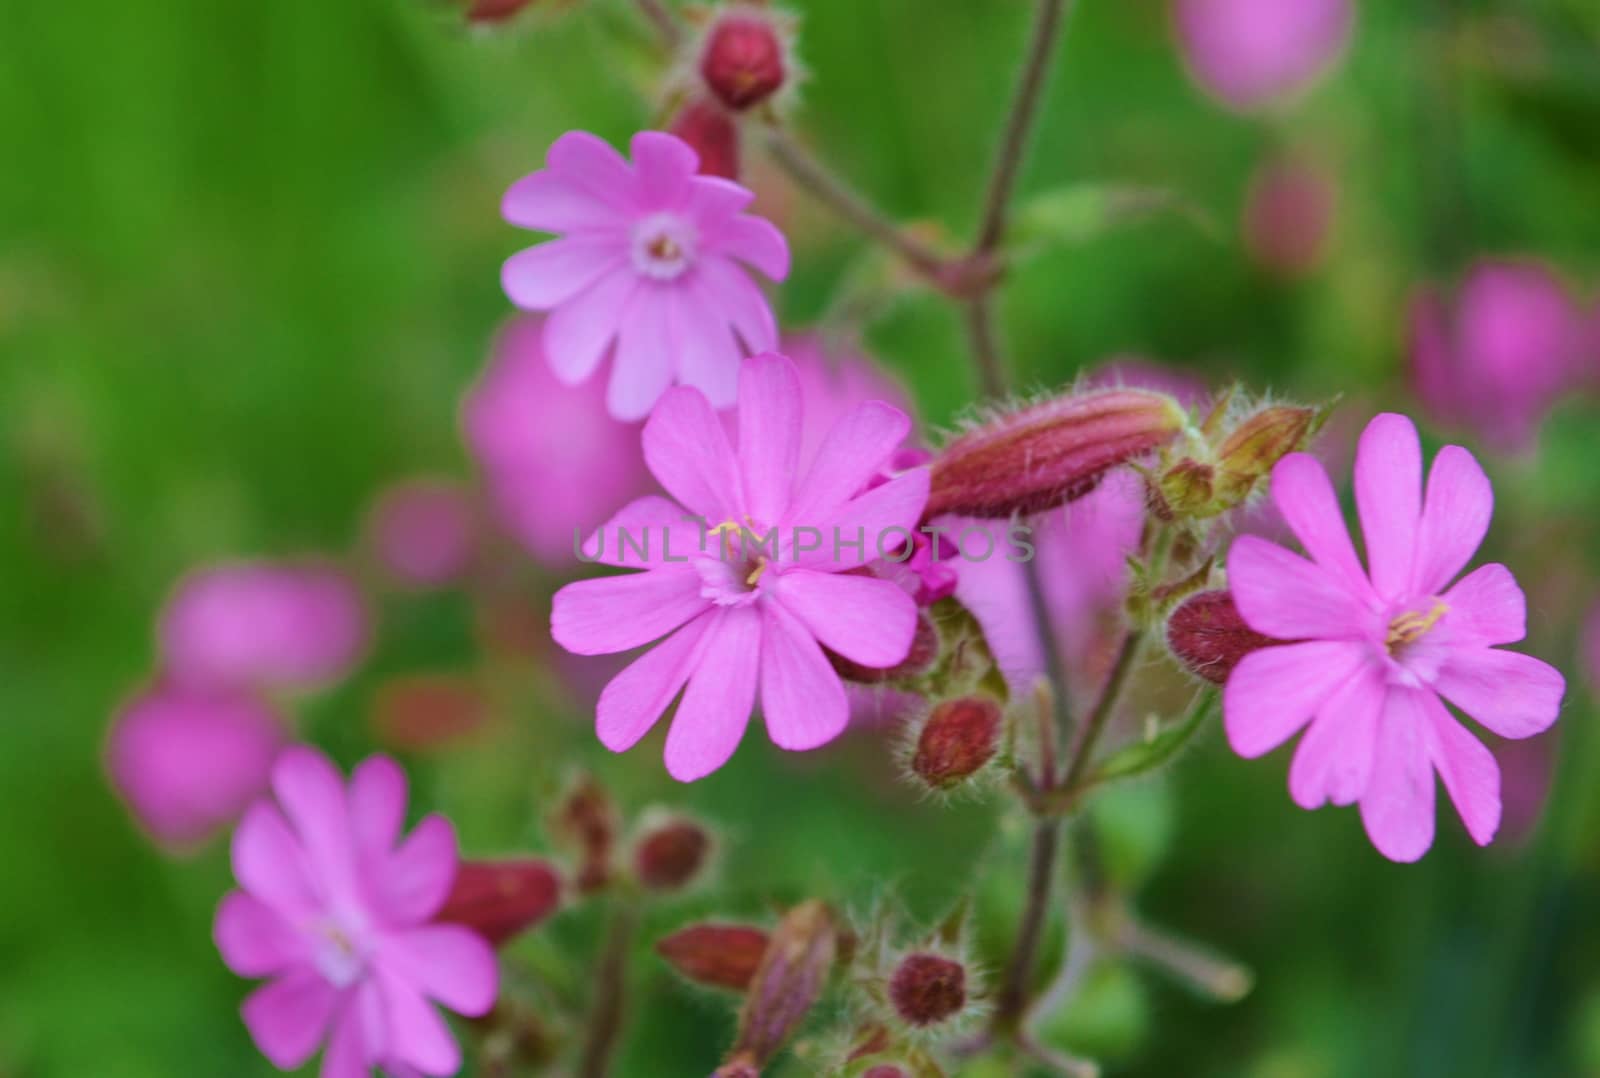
{"x": 755, "y": 574}
{"x": 663, "y": 248}
{"x": 1412, "y": 625}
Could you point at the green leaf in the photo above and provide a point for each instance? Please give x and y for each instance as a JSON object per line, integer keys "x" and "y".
{"x": 1145, "y": 756}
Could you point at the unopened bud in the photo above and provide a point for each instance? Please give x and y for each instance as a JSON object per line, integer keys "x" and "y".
{"x": 502, "y": 899}
{"x": 886, "y": 1070}
{"x": 716, "y": 955}
{"x": 669, "y": 855}
{"x": 1248, "y": 455}
{"x": 957, "y": 740}
{"x": 1050, "y": 453}
{"x": 923, "y": 654}
{"x": 1209, "y": 636}
{"x": 713, "y": 134}
{"x": 791, "y": 978}
{"x": 745, "y": 58}
{"x": 488, "y": 12}
{"x": 586, "y": 822}
{"x": 927, "y": 989}
{"x": 1188, "y": 488}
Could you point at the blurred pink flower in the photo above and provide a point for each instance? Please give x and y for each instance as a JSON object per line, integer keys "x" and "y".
{"x": 266, "y": 624}
{"x": 739, "y": 620}
{"x": 1374, "y": 649}
{"x": 649, "y": 258}
{"x": 336, "y": 915}
{"x": 1249, "y": 54}
{"x": 423, "y": 531}
{"x": 1497, "y": 357}
{"x": 188, "y": 761}
{"x": 552, "y": 460}
{"x": 1288, "y": 214}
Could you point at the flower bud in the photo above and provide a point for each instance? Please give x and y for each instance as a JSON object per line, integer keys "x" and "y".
{"x": 713, "y": 134}
{"x": 791, "y": 978}
{"x": 490, "y": 12}
{"x": 927, "y": 989}
{"x": 669, "y": 855}
{"x": 886, "y": 1070}
{"x": 1209, "y": 636}
{"x": 586, "y": 822}
{"x": 1050, "y": 453}
{"x": 716, "y": 955}
{"x": 745, "y": 57}
{"x": 1248, "y": 454}
{"x": 502, "y": 899}
{"x": 958, "y": 739}
{"x": 1188, "y": 488}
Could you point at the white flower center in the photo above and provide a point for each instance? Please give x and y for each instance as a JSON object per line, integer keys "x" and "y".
{"x": 664, "y": 246}
{"x": 733, "y": 563}
{"x": 339, "y": 955}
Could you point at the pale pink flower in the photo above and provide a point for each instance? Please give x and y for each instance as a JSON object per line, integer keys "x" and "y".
{"x": 335, "y": 910}
{"x": 423, "y": 532}
{"x": 1376, "y": 648}
{"x": 553, "y": 462}
{"x": 187, "y": 761}
{"x": 743, "y": 623}
{"x": 649, "y": 258}
{"x": 1252, "y": 53}
{"x": 273, "y": 624}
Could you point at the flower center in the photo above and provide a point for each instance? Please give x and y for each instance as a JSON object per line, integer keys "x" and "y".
{"x": 663, "y": 246}
{"x": 734, "y": 561}
{"x": 339, "y": 958}
{"x": 1412, "y": 625}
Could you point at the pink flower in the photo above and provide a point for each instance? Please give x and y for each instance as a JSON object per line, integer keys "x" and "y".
{"x": 423, "y": 532}
{"x": 1376, "y": 648}
{"x": 188, "y": 761}
{"x": 648, "y": 259}
{"x": 336, "y": 915}
{"x": 263, "y": 624}
{"x": 749, "y": 619}
{"x": 1288, "y": 215}
{"x": 1499, "y": 356}
{"x": 1252, "y": 53}
{"x": 552, "y": 460}
{"x": 833, "y": 383}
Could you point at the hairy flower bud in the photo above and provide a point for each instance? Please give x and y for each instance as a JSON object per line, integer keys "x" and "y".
{"x": 927, "y": 989}
{"x": 791, "y": 978}
{"x": 670, "y": 854}
{"x": 1050, "y": 453}
{"x": 713, "y": 134}
{"x": 502, "y": 899}
{"x": 957, "y": 740}
{"x": 1209, "y": 636}
{"x": 586, "y": 822}
{"x": 716, "y": 955}
{"x": 1248, "y": 454}
{"x": 745, "y": 57}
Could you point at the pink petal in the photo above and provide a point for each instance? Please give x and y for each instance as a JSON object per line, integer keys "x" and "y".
{"x": 1397, "y": 807}
{"x": 757, "y": 241}
{"x": 312, "y": 794}
{"x": 769, "y": 433}
{"x": 642, "y": 368}
{"x": 549, "y": 202}
{"x": 854, "y": 451}
{"x": 447, "y": 963}
{"x": 288, "y": 1017}
{"x": 417, "y": 877}
{"x": 881, "y": 519}
{"x": 716, "y": 706}
{"x": 1286, "y": 596}
{"x": 633, "y": 701}
{"x": 1389, "y": 498}
{"x": 1274, "y": 691}
{"x": 269, "y": 863}
{"x": 577, "y": 333}
{"x": 706, "y": 354}
{"x": 377, "y": 805}
{"x": 548, "y": 275}
{"x": 1471, "y": 776}
{"x": 713, "y": 200}
{"x": 802, "y": 698}
{"x": 593, "y": 163}
{"x": 1487, "y": 607}
{"x": 647, "y": 532}
{"x": 867, "y": 620}
{"x": 346, "y": 1054}
{"x": 1512, "y": 694}
{"x": 1305, "y": 497}
{"x": 687, "y": 451}
{"x": 1334, "y": 760}
{"x": 663, "y": 163}
{"x": 253, "y": 939}
{"x": 619, "y": 613}
{"x": 417, "y": 1034}
{"x": 1455, "y": 519}
{"x": 724, "y": 287}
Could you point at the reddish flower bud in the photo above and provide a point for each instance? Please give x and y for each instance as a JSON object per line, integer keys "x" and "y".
{"x": 1209, "y": 636}
{"x": 957, "y": 740}
{"x": 716, "y": 955}
{"x": 1249, "y": 453}
{"x": 924, "y": 652}
{"x": 791, "y": 978}
{"x": 1050, "y": 453}
{"x": 669, "y": 855}
{"x": 713, "y": 134}
{"x": 586, "y": 822}
{"x": 420, "y": 712}
{"x": 502, "y": 899}
{"x": 886, "y": 1070}
{"x": 488, "y": 12}
{"x": 745, "y": 57}
{"x": 927, "y": 989}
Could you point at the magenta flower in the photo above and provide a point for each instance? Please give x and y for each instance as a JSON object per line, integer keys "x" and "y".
{"x": 187, "y": 761}
{"x": 336, "y": 914}
{"x": 649, "y": 259}
{"x": 1253, "y": 53}
{"x": 1376, "y": 648}
{"x": 423, "y": 532}
{"x": 742, "y": 618}
{"x": 268, "y": 624}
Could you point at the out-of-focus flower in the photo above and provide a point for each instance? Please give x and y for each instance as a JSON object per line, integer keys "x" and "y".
{"x": 1495, "y": 358}
{"x": 334, "y": 910}
{"x": 772, "y": 590}
{"x": 500, "y": 900}
{"x": 188, "y": 761}
{"x": 791, "y": 978}
{"x": 1249, "y": 54}
{"x": 745, "y": 54}
{"x": 1380, "y": 645}
{"x": 553, "y": 462}
{"x": 718, "y": 955}
{"x": 713, "y": 134}
{"x": 833, "y": 383}
{"x": 422, "y": 532}
{"x": 648, "y": 257}
{"x": 1288, "y": 214}
{"x": 585, "y": 822}
{"x": 671, "y": 853}
{"x": 271, "y": 624}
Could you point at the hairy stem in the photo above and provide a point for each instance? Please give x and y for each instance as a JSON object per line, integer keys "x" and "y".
{"x": 605, "y": 1012}
{"x": 1012, "y": 1001}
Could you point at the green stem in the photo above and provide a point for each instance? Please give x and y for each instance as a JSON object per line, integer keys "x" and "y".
{"x": 1105, "y": 707}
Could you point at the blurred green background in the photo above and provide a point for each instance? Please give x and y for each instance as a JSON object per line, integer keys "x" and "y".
{"x": 249, "y": 262}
